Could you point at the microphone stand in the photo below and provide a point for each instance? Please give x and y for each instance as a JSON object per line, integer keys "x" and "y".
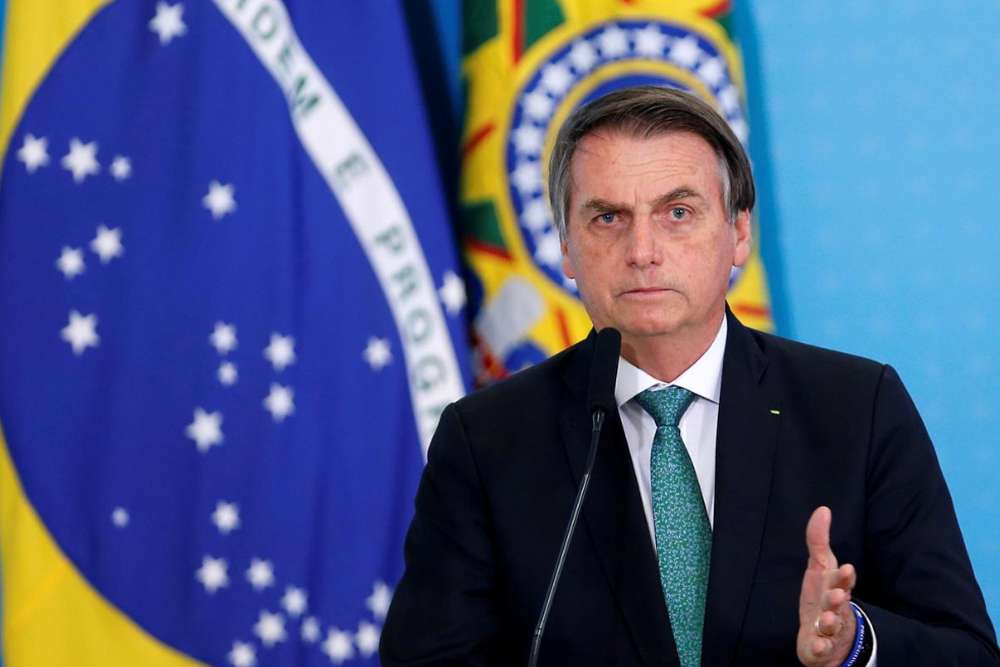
{"x": 595, "y": 436}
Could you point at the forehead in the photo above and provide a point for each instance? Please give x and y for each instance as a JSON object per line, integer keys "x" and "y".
{"x": 609, "y": 158}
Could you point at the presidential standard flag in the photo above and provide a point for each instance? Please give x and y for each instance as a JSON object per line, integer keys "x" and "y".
{"x": 231, "y": 316}
{"x": 527, "y": 66}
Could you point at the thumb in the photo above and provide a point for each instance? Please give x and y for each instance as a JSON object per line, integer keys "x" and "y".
{"x": 818, "y": 538}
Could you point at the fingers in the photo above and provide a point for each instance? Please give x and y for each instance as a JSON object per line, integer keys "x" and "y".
{"x": 818, "y": 539}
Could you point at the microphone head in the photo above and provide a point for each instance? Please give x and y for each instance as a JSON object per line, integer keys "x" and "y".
{"x": 604, "y": 370}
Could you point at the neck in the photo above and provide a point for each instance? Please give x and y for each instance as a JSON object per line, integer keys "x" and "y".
{"x": 666, "y": 357}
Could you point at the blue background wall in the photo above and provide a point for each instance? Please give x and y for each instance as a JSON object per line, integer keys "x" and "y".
{"x": 876, "y": 142}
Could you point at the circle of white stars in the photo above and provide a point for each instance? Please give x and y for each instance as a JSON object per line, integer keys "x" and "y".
{"x": 81, "y": 160}
{"x": 213, "y": 573}
{"x": 81, "y": 332}
{"x": 226, "y": 517}
{"x": 107, "y": 244}
{"x": 219, "y": 200}
{"x": 70, "y": 262}
{"x": 377, "y": 353}
{"x": 34, "y": 152}
{"x": 541, "y": 97}
{"x": 168, "y": 22}
{"x": 280, "y": 351}
{"x": 280, "y": 402}
{"x": 205, "y": 429}
{"x": 260, "y": 574}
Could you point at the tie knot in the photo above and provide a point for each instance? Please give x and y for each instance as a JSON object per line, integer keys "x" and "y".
{"x": 665, "y": 406}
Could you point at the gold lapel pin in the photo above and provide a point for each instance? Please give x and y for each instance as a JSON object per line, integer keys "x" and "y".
{"x": 775, "y": 412}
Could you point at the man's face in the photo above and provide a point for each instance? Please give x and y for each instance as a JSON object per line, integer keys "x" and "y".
{"x": 647, "y": 240}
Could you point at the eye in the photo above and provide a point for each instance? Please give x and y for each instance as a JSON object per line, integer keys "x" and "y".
{"x": 606, "y": 218}
{"x": 678, "y": 213}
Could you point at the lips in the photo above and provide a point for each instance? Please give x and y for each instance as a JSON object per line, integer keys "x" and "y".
{"x": 645, "y": 291}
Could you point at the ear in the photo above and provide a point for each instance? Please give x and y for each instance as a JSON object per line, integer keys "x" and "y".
{"x": 567, "y": 263}
{"x": 743, "y": 231}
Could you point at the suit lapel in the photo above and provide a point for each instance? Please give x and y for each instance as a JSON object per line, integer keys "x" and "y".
{"x": 745, "y": 447}
{"x": 613, "y": 518}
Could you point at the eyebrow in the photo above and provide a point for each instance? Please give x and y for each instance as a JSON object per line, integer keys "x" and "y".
{"x": 598, "y": 204}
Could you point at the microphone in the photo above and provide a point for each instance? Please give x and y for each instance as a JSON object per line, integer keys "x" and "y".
{"x": 600, "y": 401}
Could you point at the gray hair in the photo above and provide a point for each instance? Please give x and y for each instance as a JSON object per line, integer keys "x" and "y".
{"x": 644, "y": 112}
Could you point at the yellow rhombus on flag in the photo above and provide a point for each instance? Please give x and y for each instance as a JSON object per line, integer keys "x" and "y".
{"x": 527, "y": 65}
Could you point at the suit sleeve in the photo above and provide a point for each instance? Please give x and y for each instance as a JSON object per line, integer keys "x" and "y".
{"x": 444, "y": 609}
{"x": 919, "y": 590}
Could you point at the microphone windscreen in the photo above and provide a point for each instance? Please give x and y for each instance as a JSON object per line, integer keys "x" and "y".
{"x": 604, "y": 370}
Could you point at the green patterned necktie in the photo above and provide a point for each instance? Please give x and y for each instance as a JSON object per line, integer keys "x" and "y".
{"x": 683, "y": 534}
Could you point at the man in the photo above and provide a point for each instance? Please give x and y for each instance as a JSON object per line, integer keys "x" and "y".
{"x": 708, "y": 536}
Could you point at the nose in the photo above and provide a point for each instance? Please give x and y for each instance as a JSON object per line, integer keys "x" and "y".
{"x": 642, "y": 247}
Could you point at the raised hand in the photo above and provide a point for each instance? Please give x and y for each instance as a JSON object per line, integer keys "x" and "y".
{"x": 826, "y": 621}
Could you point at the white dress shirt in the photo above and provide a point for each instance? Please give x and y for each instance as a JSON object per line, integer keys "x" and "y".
{"x": 698, "y": 427}
{"x": 698, "y": 423}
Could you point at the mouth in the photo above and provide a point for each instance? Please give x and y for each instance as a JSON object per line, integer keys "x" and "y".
{"x": 644, "y": 292}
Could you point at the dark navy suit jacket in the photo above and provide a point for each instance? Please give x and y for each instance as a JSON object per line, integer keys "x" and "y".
{"x": 798, "y": 427}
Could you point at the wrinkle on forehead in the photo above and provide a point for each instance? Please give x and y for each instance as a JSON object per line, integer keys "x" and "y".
{"x": 683, "y": 160}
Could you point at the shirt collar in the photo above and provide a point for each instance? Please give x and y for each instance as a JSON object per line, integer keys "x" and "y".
{"x": 703, "y": 377}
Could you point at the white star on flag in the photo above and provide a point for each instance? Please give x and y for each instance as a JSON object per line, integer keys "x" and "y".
{"x": 528, "y": 139}
{"x": 219, "y": 199}
{"x": 280, "y": 402}
{"x": 168, "y": 22}
{"x": 242, "y": 655}
{"x": 226, "y": 517}
{"x": 377, "y": 353}
{"x": 270, "y": 628}
{"x": 260, "y": 574}
{"x": 310, "y": 630}
{"x": 206, "y": 429}
{"x": 223, "y": 338}
{"x": 121, "y": 167}
{"x": 280, "y": 351}
{"x": 367, "y": 638}
{"x": 685, "y": 52}
{"x": 583, "y": 56}
{"x": 81, "y": 159}
{"x": 70, "y": 262}
{"x": 338, "y": 646}
{"x": 212, "y": 573}
{"x": 527, "y": 177}
{"x": 378, "y": 601}
{"x": 650, "y": 41}
{"x": 557, "y": 78}
{"x": 538, "y": 105}
{"x": 107, "y": 244}
{"x": 81, "y": 332}
{"x": 119, "y": 517}
{"x": 294, "y": 601}
{"x": 34, "y": 152}
{"x": 228, "y": 373}
{"x": 613, "y": 42}
{"x": 549, "y": 249}
{"x": 452, "y": 292}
